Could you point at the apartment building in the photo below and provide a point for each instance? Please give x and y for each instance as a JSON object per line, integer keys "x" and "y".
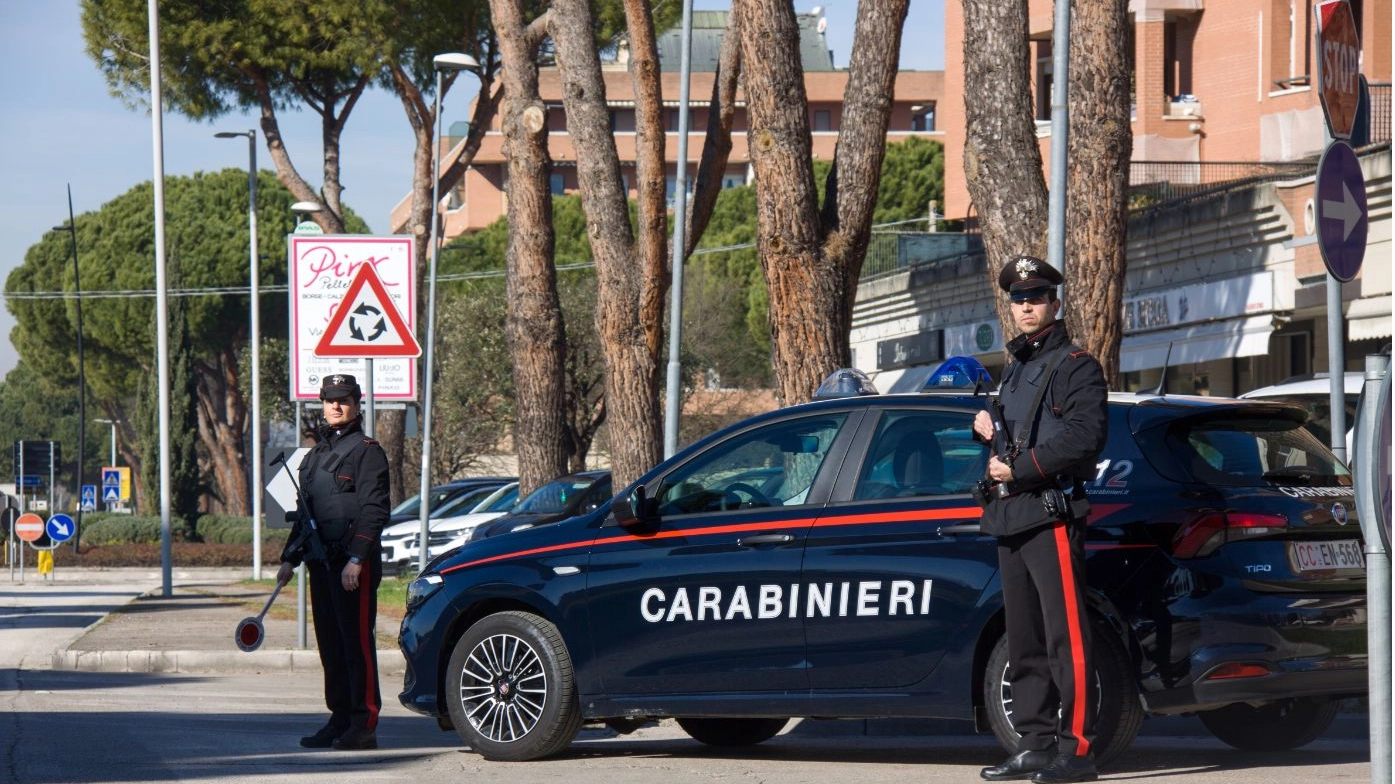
{"x": 481, "y": 197}
{"x": 1224, "y": 281}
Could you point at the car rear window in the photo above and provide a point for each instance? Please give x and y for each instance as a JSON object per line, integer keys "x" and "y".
{"x": 1252, "y": 451}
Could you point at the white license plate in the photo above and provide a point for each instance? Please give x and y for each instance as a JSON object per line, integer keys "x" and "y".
{"x": 1344, "y": 554}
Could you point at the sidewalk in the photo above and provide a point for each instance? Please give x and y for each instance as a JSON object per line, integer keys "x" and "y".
{"x": 193, "y": 631}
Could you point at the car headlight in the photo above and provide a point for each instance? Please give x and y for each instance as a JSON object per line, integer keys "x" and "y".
{"x": 420, "y": 589}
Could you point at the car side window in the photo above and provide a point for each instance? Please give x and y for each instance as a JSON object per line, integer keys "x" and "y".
{"x": 918, "y": 453}
{"x": 773, "y": 465}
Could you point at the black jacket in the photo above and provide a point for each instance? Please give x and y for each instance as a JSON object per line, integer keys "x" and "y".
{"x": 1070, "y": 427}
{"x": 344, "y": 480}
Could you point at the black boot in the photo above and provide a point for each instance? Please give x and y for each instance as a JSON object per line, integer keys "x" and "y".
{"x": 356, "y": 740}
{"x": 1067, "y": 769}
{"x": 323, "y": 738}
{"x": 1019, "y": 766}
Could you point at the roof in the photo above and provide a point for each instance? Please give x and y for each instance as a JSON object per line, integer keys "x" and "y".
{"x": 710, "y": 27}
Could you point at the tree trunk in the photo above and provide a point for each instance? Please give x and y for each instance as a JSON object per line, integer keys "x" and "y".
{"x": 716, "y": 148}
{"x": 1002, "y": 162}
{"x": 810, "y": 268}
{"x": 631, "y": 278}
{"x": 222, "y": 422}
{"x": 534, "y": 316}
{"x": 1101, "y": 144}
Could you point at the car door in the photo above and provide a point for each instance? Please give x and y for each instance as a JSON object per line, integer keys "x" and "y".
{"x": 698, "y": 601}
{"x": 896, "y": 565}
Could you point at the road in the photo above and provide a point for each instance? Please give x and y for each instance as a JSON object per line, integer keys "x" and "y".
{"x": 125, "y": 727}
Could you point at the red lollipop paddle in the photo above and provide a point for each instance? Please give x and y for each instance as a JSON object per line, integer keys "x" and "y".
{"x": 250, "y": 632}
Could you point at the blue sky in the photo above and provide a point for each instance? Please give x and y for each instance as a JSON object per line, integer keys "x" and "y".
{"x": 60, "y": 127}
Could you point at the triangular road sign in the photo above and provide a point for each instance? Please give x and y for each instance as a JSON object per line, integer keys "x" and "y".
{"x": 366, "y": 323}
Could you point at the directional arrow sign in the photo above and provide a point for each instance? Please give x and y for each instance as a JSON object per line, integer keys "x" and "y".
{"x": 1340, "y": 202}
{"x": 61, "y": 528}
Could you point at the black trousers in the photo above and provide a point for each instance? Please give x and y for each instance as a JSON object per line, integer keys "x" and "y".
{"x": 345, "y": 633}
{"x": 1048, "y": 633}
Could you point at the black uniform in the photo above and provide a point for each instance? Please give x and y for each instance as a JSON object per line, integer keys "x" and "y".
{"x": 1041, "y": 556}
{"x": 344, "y": 480}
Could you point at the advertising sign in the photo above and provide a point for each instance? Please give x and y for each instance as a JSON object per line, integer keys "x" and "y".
{"x": 321, "y": 271}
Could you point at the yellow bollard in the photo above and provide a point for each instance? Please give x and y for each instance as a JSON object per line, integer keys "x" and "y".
{"x": 45, "y": 563}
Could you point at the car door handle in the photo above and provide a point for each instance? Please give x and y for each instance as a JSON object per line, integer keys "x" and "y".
{"x": 962, "y": 528}
{"x": 760, "y": 539}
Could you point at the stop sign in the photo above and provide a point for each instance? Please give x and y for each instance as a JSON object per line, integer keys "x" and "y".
{"x": 1338, "y": 65}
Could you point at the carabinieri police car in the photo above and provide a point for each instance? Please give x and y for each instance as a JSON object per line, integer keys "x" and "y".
{"x": 825, "y": 560}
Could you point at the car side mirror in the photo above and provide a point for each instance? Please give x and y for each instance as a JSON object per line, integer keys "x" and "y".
{"x": 633, "y": 509}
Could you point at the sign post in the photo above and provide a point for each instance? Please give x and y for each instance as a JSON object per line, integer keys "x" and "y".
{"x": 1339, "y": 192}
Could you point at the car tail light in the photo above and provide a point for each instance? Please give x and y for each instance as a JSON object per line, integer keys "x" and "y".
{"x": 1202, "y": 536}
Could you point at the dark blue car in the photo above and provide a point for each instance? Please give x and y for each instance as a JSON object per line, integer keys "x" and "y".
{"x": 825, "y": 560}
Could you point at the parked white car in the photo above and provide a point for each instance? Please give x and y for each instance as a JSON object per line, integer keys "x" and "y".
{"x": 401, "y": 541}
{"x": 456, "y": 531}
{"x": 1314, "y": 392}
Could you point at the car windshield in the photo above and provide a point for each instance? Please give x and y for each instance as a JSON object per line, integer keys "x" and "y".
{"x": 553, "y": 497}
{"x": 503, "y": 501}
{"x": 1246, "y": 451}
{"x": 463, "y": 503}
{"x": 1319, "y": 408}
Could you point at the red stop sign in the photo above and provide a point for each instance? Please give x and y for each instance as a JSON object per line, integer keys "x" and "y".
{"x": 1338, "y": 65}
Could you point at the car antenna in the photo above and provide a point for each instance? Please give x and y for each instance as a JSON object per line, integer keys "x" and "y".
{"x": 1161, "y": 388}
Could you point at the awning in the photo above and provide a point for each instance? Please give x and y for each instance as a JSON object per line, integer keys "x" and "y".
{"x": 1369, "y": 318}
{"x": 1242, "y": 337}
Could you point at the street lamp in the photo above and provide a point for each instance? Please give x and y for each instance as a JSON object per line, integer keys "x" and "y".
{"x": 113, "y": 423}
{"x": 256, "y": 339}
{"x": 453, "y": 62}
{"x": 71, "y": 228}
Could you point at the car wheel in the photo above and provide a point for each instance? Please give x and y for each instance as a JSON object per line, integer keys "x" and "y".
{"x": 1278, "y": 726}
{"x": 510, "y": 688}
{"x": 1119, "y": 713}
{"x": 732, "y": 732}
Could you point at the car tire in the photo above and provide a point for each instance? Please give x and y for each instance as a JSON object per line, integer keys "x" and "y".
{"x": 510, "y": 688}
{"x": 732, "y": 732}
{"x": 1278, "y": 726}
{"x": 1118, "y": 718}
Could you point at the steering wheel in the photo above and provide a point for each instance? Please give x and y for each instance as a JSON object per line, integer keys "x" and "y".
{"x": 731, "y": 491}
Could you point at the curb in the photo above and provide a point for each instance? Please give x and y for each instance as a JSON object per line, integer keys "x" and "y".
{"x": 389, "y": 662}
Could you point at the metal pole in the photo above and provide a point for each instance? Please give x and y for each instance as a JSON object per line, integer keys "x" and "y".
{"x": 82, "y": 376}
{"x": 1369, "y": 441}
{"x": 1336, "y": 373}
{"x": 1060, "y": 142}
{"x": 680, "y": 216}
{"x": 162, "y": 343}
{"x": 254, "y": 261}
{"x": 300, "y": 613}
{"x": 430, "y": 355}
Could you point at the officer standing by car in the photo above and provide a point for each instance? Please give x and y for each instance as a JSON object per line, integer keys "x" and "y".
{"x": 1054, "y": 413}
{"x": 344, "y": 503}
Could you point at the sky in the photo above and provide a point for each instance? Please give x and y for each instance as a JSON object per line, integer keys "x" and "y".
{"x": 60, "y": 127}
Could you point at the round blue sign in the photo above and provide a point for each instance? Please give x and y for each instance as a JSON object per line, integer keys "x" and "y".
{"x": 60, "y": 528}
{"x": 1340, "y": 201}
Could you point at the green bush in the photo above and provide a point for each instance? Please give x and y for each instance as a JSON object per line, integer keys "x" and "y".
{"x": 105, "y": 529}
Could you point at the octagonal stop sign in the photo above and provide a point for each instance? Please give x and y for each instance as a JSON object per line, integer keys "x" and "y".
{"x": 1338, "y": 65}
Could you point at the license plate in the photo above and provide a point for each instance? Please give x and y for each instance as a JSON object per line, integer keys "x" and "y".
{"x": 1312, "y": 556}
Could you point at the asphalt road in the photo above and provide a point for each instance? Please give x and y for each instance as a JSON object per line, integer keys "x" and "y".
{"x": 151, "y": 727}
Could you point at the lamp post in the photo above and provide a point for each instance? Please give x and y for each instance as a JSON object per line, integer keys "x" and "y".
{"x": 71, "y": 228}
{"x": 254, "y": 266}
{"x": 302, "y": 211}
{"x": 451, "y": 61}
{"x": 113, "y": 423}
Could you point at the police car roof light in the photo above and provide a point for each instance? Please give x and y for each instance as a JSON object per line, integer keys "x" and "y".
{"x": 958, "y": 373}
{"x": 846, "y": 382}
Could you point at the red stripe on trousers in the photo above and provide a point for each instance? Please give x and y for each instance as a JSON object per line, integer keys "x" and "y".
{"x": 1077, "y": 646}
{"x": 369, "y": 646}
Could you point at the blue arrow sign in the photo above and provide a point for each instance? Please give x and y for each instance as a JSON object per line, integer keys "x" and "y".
{"x": 1340, "y": 202}
{"x": 60, "y": 528}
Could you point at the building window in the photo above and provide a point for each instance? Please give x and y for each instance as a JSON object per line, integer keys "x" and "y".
{"x": 1042, "y": 94}
{"x": 823, "y": 120}
{"x": 558, "y": 184}
{"x": 923, "y": 117}
{"x": 1177, "y": 57}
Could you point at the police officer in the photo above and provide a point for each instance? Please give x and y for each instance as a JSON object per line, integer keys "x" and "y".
{"x": 344, "y": 484}
{"x": 1055, "y": 408}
